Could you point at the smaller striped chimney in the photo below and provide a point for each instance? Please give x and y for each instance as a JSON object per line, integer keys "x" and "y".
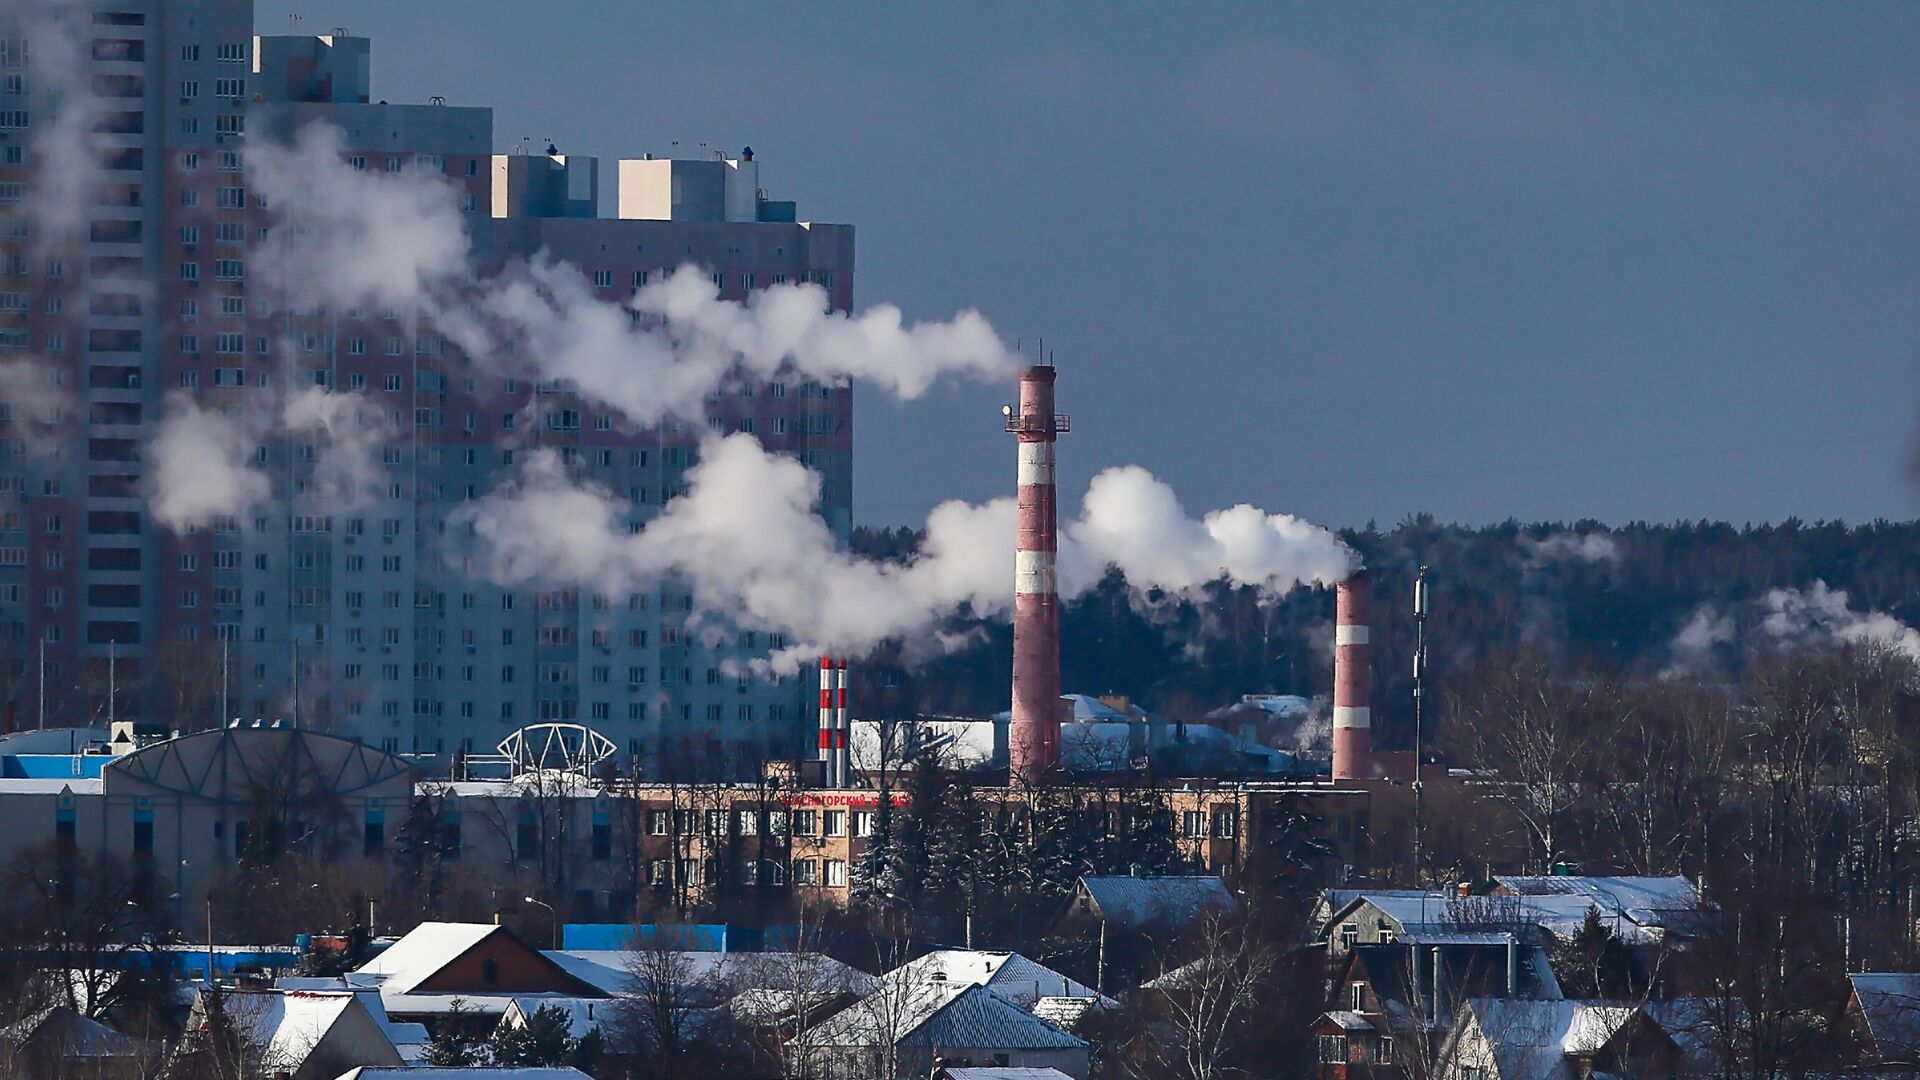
{"x": 841, "y": 771}
{"x": 1353, "y": 679}
{"x": 826, "y": 720}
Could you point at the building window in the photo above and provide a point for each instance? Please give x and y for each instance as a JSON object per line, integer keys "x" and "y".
{"x": 1333, "y": 1049}
{"x": 863, "y": 822}
{"x": 836, "y": 822}
{"x": 806, "y": 822}
{"x": 1226, "y": 822}
{"x": 837, "y": 873}
{"x": 1193, "y": 823}
{"x": 806, "y": 872}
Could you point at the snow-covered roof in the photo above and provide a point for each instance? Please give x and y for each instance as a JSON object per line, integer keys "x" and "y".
{"x": 934, "y": 1014}
{"x": 1088, "y": 708}
{"x": 1176, "y": 900}
{"x": 1005, "y": 1073}
{"x": 1437, "y": 912}
{"x": 583, "y": 1014}
{"x": 1531, "y": 1040}
{"x": 1890, "y": 1004}
{"x": 610, "y": 970}
{"x": 73, "y": 1036}
{"x": 1008, "y": 974}
{"x": 409, "y": 1039}
{"x": 24, "y": 785}
{"x": 1643, "y": 899}
{"x": 1098, "y": 745}
{"x": 289, "y": 1026}
{"x": 1349, "y": 1021}
{"x": 423, "y": 951}
{"x": 418, "y": 1073}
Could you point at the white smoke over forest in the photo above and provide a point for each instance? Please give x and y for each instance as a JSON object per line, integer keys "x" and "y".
{"x": 1786, "y": 618}
{"x": 745, "y": 541}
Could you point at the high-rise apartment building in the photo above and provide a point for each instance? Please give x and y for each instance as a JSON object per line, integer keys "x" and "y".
{"x": 365, "y": 615}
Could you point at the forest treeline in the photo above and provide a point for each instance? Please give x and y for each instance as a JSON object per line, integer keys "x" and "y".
{"x": 1636, "y": 600}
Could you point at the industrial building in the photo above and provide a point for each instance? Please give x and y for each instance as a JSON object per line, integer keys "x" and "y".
{"x": 358, "y": 622}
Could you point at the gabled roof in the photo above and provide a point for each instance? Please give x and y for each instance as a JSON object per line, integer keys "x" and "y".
{"x": 290, "y": 1026}
{"x": 403, "y": 968}
{"x": 559, "y": 1073}
{"x": 425, "y": 950}
{"x": 1171, "y": 900}
{"x": 583, "y": 1014}
{"x": 73, "y": 1035}
{"x": 1890, "y": 1005}
{"x": 1008, "y": 974}
{"x": 407, "y": 1038}
{"x": 933, "y": 1014}
{"x": 1531, "y": 1040}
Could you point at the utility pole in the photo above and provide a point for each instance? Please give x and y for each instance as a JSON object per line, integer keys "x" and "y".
{"x": 1419, "y": 713}
{"x": 224, "y": 718}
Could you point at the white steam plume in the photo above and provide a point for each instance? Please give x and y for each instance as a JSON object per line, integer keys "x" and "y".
{"x": 351, "y": 238}
{"x": 200, "y": 466}
{"x": 1821, "y": 615}
{"x": 1134, "y": 522}
{"x": 1791, "y": 618}
{"x": 65, "y": 169}
{"x": 346, "y": 237}
{"x": 1570, "y": 547}
{"x": 203, "y": 463}
{"x": 33, "y": 404}
{"x": 347, "y": 430}
{"x": 747, "y": 543}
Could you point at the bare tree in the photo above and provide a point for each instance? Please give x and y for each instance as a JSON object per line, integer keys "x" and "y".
{"x": 1207, "y": 1013}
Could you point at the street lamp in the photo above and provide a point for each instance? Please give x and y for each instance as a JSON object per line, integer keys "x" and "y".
{"x": 553, "y": 921}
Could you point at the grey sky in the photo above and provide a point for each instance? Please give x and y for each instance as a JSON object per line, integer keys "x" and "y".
{"x": 1351, "y": 262}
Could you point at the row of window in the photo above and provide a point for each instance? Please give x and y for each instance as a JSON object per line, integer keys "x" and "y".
{"x": 750, "y": 822}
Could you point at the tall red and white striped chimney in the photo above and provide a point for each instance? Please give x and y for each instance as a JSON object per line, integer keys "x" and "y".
{"x": 1033, "y": 738}
{"x": 1353, "y": 679}
{"x": 826, "y": 720}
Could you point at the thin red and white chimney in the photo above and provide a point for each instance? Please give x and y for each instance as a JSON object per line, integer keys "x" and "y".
{"x": 826, "y": 720}
{"x": 1353, "y": 679}
{"x": 842, "y": 773}
{"x": 1033, "y": 737}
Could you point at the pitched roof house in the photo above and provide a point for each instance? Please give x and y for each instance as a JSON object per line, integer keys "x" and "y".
{"x": 902, "y": 1029}
{"x": 1165, "y": 902}
{"x": 1553, "y": 1040}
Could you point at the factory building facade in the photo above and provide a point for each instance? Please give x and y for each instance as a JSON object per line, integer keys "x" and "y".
{"x": 193, "y": 813}
{"x": 358, "y": 619}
